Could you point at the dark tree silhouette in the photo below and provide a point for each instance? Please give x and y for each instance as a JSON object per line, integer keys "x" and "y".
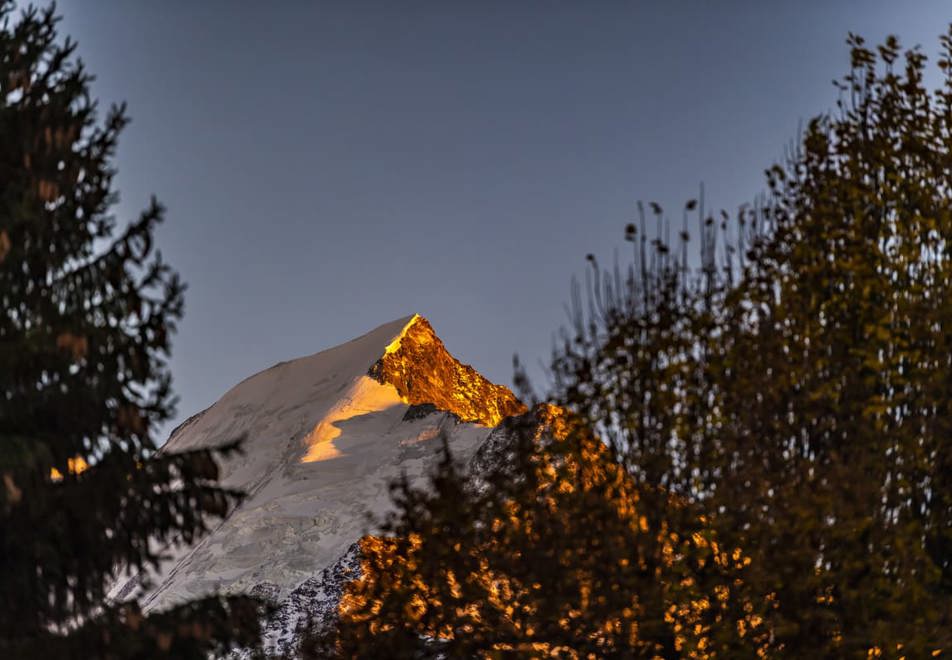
{"x": 87, "y": 310}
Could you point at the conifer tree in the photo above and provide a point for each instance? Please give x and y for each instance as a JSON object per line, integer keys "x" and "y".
{"x": 88, "y": 307}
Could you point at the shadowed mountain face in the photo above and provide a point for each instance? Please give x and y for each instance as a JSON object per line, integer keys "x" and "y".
{"x": 418, "y": 365}
{"x": 325, "y": 435}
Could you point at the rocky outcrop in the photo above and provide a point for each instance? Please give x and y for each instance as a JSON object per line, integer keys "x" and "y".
{"x": 421, "y": 410}
{"x": 499, "y": 447}
{"x": 311, "y": 606}
{"x": 418, "y": 365}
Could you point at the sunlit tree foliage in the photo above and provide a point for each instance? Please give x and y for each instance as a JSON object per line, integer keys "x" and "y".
{"x": 549, "y": 550}
{"x": 785, "y": 405}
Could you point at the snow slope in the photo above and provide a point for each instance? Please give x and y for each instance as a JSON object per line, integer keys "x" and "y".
{"x": 325, "y": 435}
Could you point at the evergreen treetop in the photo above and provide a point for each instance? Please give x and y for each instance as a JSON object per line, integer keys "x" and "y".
{"x": 88, "y": 307}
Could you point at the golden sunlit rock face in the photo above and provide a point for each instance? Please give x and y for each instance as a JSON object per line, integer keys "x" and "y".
{"x": 418, "y": 365}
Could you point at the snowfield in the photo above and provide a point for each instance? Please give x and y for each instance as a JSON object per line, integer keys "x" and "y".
{"x": 323, "y": 441}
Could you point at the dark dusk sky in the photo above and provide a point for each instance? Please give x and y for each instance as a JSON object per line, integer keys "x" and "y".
{"x": 328, "y": 167}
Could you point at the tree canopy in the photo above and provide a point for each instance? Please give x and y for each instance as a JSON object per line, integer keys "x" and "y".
{"x": 88, "y": 307}
{"x": 756, "y": 454}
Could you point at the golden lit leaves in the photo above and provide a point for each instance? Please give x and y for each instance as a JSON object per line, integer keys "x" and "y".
{"x": 585, "y": 556}
{"x": 76, "y": 465}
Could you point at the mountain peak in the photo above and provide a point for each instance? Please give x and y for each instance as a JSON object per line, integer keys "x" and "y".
{"x": 325, "y": 435}
{"x": 394, "y": 346}
{"x": 418, "y": 365}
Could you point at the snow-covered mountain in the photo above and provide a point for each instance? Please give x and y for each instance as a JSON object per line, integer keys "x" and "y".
{"x": 325, "y": 436}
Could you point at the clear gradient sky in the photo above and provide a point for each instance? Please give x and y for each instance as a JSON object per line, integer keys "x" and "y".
{"x": 330, "y": 166}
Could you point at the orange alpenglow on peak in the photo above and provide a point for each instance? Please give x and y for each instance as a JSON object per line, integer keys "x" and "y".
{"x": 418, "y": 365}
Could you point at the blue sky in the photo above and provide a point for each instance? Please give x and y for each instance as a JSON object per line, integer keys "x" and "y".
{"x": 328, "y": 167}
